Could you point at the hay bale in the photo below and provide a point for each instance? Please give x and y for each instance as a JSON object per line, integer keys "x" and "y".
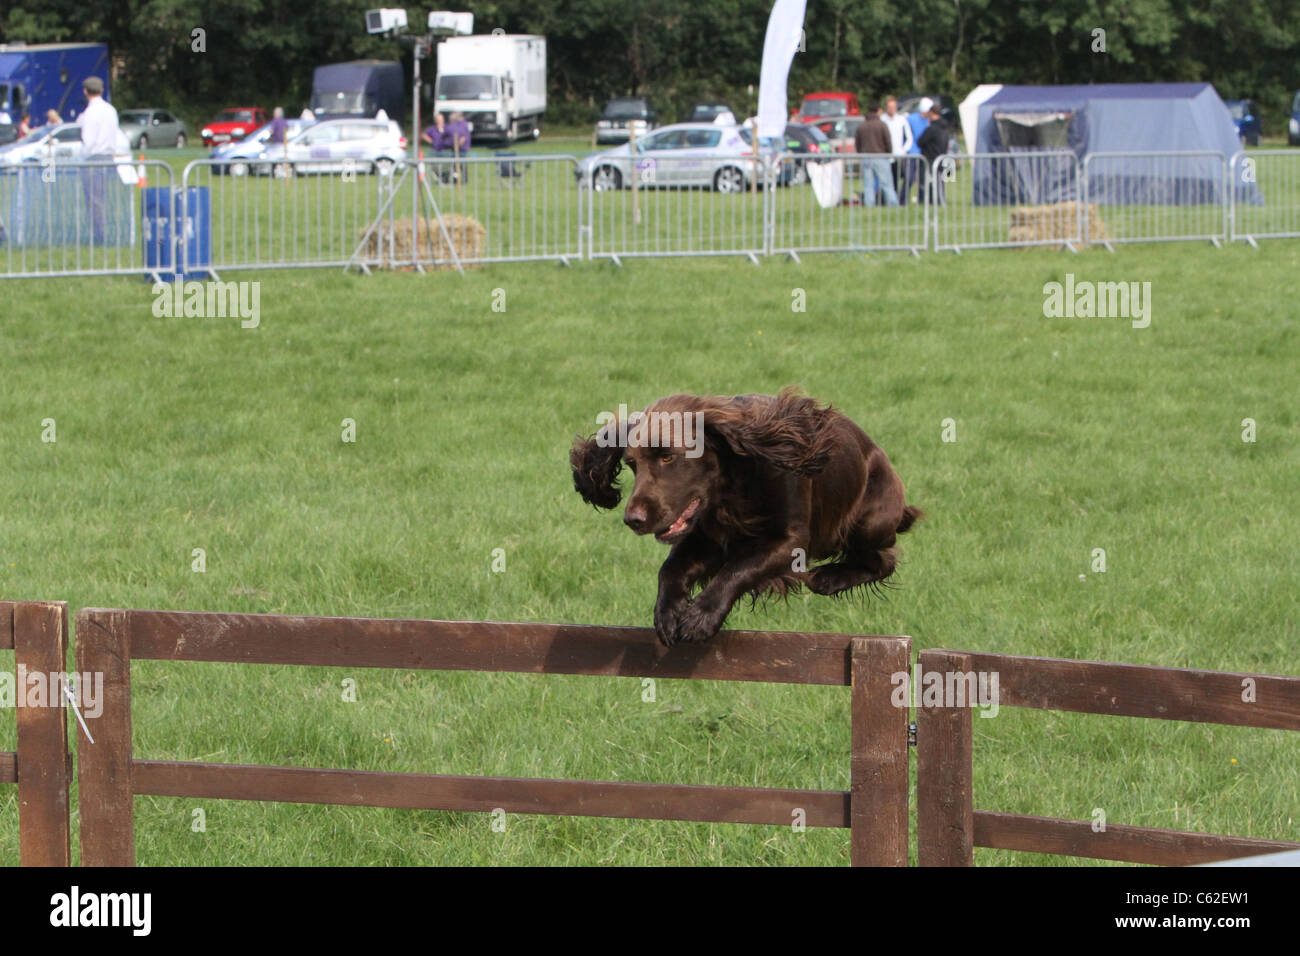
{"x": 392, "y": 241}
{"x": 1055, "y": 221}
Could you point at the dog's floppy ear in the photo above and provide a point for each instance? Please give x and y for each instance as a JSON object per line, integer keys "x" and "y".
{"x": 790, "y": 431}
{"x": 596, "y": 462}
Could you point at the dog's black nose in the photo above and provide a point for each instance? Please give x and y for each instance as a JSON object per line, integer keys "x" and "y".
{"x": 636, "y": 517}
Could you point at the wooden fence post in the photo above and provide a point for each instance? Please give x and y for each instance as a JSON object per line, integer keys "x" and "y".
{"x": 945, "y": 805}
{"x": 44, "y": 763}
{"x": 104, "y": 779}
{"x": 878, "y": 770}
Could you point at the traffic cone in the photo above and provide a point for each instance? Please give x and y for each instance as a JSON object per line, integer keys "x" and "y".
{"x": 141, "y": 180}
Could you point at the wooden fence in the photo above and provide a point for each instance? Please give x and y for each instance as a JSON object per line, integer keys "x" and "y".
{"x": 949, "y": 826}
{"x": 37, "y": 632}
{"x": 874, "y": 809}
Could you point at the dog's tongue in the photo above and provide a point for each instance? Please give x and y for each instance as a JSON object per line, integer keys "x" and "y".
{"x": 684, "y": 517}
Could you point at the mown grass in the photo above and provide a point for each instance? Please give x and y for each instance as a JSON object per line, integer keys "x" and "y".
{"x": 1072, "y": 434}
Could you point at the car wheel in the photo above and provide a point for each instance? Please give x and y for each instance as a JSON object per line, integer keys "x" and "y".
{"x": 729, "y": 179}
{"x": 180, "y": 140}
{"x": 238, "y": 169}
{"x": 384, "y": 167}
{"x": 144, "y": 142}
{"x": 606, "y": 178}
{"x": 282, "y": 170}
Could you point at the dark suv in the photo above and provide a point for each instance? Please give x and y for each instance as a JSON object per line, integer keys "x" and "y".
{"x": 622, "y": 116}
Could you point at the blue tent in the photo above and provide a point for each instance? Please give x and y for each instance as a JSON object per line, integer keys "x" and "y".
{"x": 1100, "y": 118}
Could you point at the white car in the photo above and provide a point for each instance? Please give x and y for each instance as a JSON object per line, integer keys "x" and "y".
{"x": 337, "y": 146}
{"x": 60, "y": 143}
{"x": 684, "y": 154}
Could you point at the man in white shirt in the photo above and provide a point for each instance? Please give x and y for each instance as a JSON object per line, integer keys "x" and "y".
{"x": 99, "y": 132}
{"x": 900, "y": 136}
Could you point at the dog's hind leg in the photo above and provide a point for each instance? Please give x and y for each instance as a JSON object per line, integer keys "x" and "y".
{"x": 854, "y": 569}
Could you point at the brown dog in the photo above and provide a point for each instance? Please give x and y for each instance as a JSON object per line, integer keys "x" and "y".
{"x": 748, "y": 491}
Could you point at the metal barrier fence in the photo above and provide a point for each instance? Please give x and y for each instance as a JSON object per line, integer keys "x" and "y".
{"x": 1156, "y": 196}
{"x": 81, "y": 219}
{"x": 1264, "y": 198}
{"x": 72, "y": 219}
{"x": 268, "y": 215}
{"x": 1014, "y": 199}
{"x": 677, "y": 206}
{"x": 824, "y": 205}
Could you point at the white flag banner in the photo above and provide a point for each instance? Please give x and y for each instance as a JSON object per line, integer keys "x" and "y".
{"x": 784, "y": 31}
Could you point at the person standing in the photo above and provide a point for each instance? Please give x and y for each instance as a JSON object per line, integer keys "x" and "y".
{"x": 900, "y": 136}
{"x": 98, "y": 141}
{"x": 25, "y": 124}
{"x": 458, "y": 139}
{"x": 873, "y": 141}
{"x": 934, "y": 143}
{"x": 913, "y": 174}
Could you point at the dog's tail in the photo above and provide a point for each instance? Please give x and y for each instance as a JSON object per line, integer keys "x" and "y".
{"x": 911, "y": 515}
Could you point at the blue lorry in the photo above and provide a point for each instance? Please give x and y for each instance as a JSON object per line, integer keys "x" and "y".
{"x": 38, "y": 77}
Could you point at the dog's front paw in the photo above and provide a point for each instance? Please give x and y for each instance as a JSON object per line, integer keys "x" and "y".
{"x": 668, "y": 616}
{"x": 699, "y": 621}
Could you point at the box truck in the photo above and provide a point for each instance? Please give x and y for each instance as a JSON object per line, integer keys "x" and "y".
{"x": 38, "y": 77}
{"x": 358, "y": 88}
{"x": 497, "y": 80}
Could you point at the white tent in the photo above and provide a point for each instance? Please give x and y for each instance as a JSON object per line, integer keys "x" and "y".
{"x": 969, "y": 112}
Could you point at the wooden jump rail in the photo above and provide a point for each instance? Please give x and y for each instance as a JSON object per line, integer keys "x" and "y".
{"x": 874, "y": 809}
{"x": 949, "y": 826}
{"x": 37, "y": 632}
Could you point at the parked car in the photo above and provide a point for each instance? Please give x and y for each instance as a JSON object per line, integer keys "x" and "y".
{"x": 841, "y": 132}
{"x": 817, "y": 106}
{"x": 1246, "y": 118}
{"x": 61, "y": 143}
{"x": 622, "y": 116}
{"x": 232, "y": 124}
{"x": 241, "y": 152}
{"x": 337, "y": 146}
{"x": 684, "y": 154}
{"x": 145, "y": 128}
{"x": 811, "y": 144}
{"x": 1293, "y": 124}
{"x": 712, "y": 111}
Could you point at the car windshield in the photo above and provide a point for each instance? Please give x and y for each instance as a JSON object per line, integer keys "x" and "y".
{"x": 626, "y": 109}
{"x": 35, "y": 136}
{"x": 466, "y": 87}
{"x": 824, "y": 108}
{"x": 235, "y": 116}
{"x": 133, "y": 116}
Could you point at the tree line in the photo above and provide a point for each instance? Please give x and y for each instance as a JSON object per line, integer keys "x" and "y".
{"x": 262, "y": 52}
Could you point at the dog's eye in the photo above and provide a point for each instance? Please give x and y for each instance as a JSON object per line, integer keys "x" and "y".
{"x": 665, "y": 459}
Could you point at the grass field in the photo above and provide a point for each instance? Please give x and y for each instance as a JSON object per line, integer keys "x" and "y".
{"x": 1072, "y": 434}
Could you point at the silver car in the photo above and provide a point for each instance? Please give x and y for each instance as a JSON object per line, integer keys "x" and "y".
{"x": 337, "y": 146}
{"x": 685, "y": 154}
{"x": 145, "y": 128}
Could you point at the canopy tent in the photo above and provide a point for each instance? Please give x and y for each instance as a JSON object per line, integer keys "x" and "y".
{"x": 1103, "y": 118}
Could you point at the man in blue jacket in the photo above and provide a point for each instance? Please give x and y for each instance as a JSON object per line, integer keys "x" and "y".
{"x": 919, "y": 121}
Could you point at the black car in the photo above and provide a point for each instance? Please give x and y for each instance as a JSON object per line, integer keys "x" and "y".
{"x": 807, "y": 141}
{"x": 623, "y": 116}
{"x": 707, "y": 111}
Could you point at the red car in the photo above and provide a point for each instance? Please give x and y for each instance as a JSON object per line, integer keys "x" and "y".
{"x": 820, "y": 106}
{"x": 233, "y": 124}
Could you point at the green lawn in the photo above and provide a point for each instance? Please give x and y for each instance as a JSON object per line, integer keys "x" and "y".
{"x": 1072, "y": 434}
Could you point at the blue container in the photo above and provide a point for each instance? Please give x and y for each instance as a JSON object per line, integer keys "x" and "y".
{"x": 172, "y": 217}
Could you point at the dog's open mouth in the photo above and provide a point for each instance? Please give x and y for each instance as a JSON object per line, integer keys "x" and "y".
{"x": 678, "y": 527}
